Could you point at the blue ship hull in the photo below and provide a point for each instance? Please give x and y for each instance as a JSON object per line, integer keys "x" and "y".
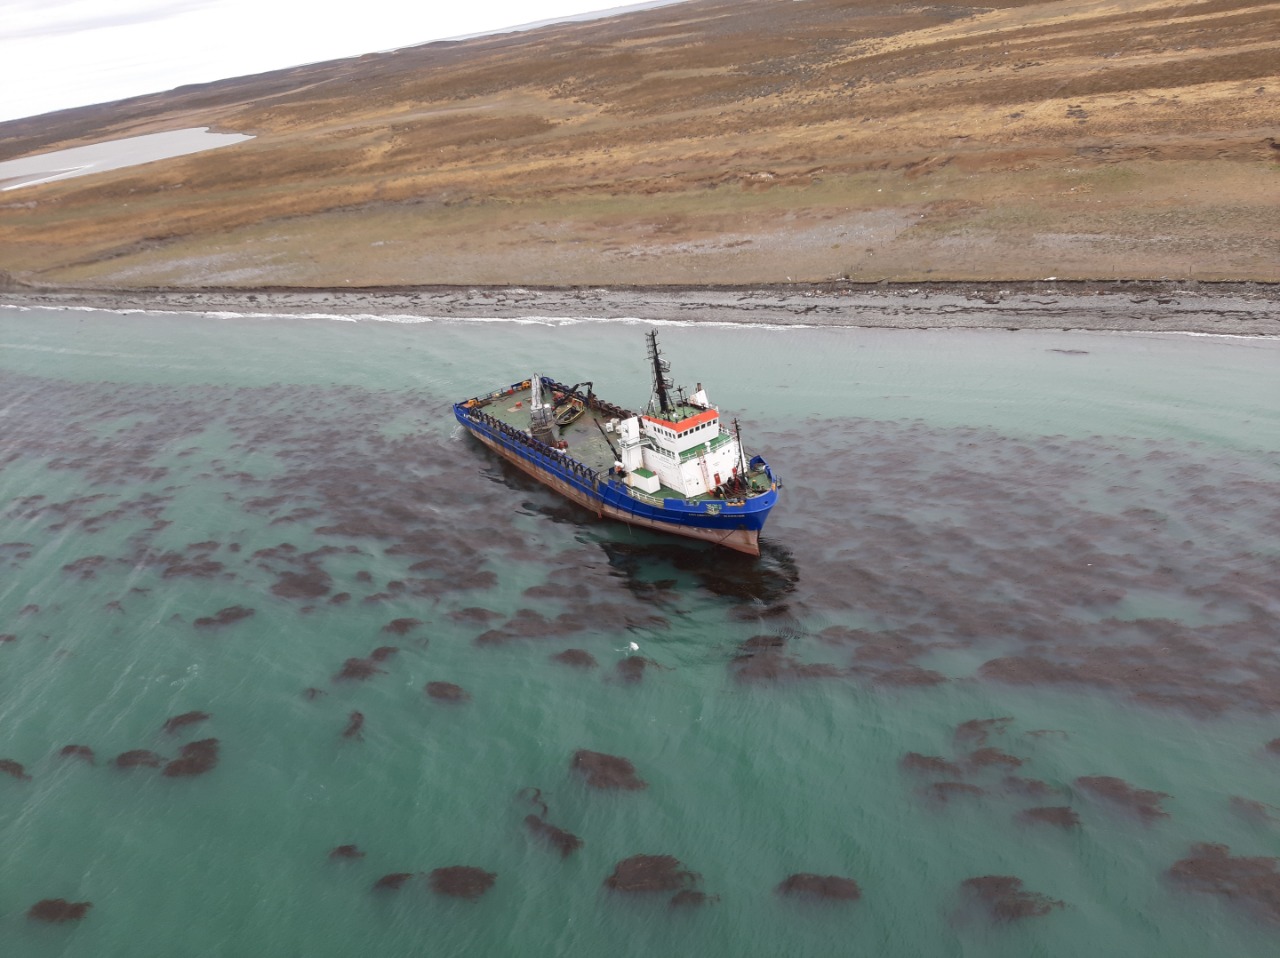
{"x": 735, "y": 524}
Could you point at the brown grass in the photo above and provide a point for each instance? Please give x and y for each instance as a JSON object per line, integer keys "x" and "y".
{"x": 716, "y": 141}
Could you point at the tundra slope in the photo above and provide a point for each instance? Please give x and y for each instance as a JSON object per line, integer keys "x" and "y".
{"x": 709, "y": 142}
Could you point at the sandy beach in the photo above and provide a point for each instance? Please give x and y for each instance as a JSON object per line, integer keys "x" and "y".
{"x": 1233, "y": 309}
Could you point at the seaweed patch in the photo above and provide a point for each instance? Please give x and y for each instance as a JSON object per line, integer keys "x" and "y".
{"x": 357, "y": 670}
{"x": 355, "y": 722}
{"x": 930, "y": 765}
{"x": 182, "y": 721}
{"x": 78, "y": 751}
{"x": 56, "y": 910}
{"x": 392, "y": 882}
{"x": 139, "y": 758}
{"x": 447, "y": 692}
{"x": 578, "y": 658}
{"x": 566, "y": 843}
{"x": 987, "y": 756}
{"x": 1061, "y": 815}
{"x": 16, "y": 769}
{"x": 461, "y": 881}
{"x": 228, "y": 616}
{"x": 607, "y": 771}
{"x": 196, "y": 758}
{"x": 1144, "y": 802}
{"x": 401, "y": 626}
{"x": 648, "y": 873}
{"x": 1006, "y": 900}
{"x": 819, "y": 887}
{"x": 1213, "y": 869}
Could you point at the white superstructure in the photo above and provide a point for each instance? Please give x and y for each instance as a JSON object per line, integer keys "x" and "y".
{"x": 681, "y": 445}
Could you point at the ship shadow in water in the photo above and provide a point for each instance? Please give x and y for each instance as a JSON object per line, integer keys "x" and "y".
{"x": 760, "y": 587}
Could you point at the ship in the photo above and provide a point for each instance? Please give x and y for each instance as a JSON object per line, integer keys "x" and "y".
{"x": 676, "y": 467}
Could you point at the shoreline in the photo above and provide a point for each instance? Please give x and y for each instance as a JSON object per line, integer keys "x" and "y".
{"x": 1233, "y": 309}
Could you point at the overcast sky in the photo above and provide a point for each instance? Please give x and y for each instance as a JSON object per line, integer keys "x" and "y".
{"x": 62, "y": 53}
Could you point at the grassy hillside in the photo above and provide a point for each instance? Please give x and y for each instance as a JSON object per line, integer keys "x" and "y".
{"x": 715, "y": 141}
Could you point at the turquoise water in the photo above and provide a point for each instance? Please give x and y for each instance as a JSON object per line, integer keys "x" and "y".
{"x": 1077, "y": 532}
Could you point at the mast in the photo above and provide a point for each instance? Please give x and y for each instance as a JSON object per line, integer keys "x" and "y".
{"x": 742, "y": 454}
{"x": 660, "y": 368}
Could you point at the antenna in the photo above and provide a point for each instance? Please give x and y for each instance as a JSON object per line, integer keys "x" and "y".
{"x": 742, "y": 454}
{"x": 660, "y": 368}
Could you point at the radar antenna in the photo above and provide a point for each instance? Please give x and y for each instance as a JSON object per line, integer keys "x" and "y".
{"x": 660, "y": 381}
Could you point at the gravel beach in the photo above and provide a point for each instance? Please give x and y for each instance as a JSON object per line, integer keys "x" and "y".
{"x": 1235, "y": 309}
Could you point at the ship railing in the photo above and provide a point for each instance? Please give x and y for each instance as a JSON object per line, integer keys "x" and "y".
{"x": 679, "y": 502}
{"x": 477, "y": 402}
{"x": 706, "y": 448}
{"x": 585, "y": 474}
{"x": 647, "y": 497}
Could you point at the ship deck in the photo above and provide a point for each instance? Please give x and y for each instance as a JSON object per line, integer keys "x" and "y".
{"x": 584, "y": 439}
{"x": 585, "y": 442}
